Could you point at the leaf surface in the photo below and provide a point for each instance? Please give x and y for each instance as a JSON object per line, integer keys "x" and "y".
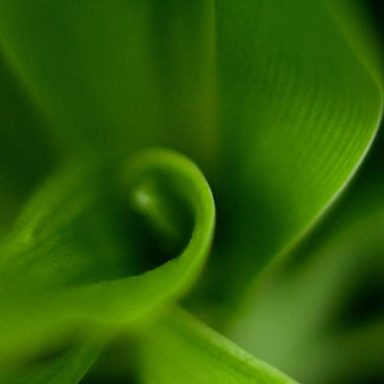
{"x": 298, "y": 112}
{"x": 112, "y": 77}
{"x": 324, "y": 307}
{"x": 68, "y": 368}
{"x": 181, "y": 349}
{"x": 66, "y": 265}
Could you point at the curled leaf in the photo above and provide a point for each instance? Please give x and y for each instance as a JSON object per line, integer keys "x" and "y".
{"x": 62, "y": 268}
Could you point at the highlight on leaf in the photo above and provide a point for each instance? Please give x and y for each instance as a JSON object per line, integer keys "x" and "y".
{"x": 181, "y": 349}
{"x": 61, "y": 273}
{"x": 104, "y": 268}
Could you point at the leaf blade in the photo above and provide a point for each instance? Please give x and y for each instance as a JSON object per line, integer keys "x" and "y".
{"x": 52, "y": 284}
{"x": 299, "y": 112}
{"x": 181, "y": 349}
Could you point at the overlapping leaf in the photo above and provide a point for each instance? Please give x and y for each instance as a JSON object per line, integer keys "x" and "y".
{"x": 67, "y": 264}
{"x": 325, "y": 308}
{"x": 298, "y": 106}
{"x": 180, "y": 349}
{"x": 298, "y": 111}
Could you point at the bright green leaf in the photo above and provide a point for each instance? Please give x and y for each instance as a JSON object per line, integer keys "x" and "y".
{"x": 65, "y": 266}
{"x": 181, "y": 349}
{"x": 298, "y": 112}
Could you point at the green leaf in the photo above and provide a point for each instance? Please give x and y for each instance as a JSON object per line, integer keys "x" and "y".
{"x": 66, "y": 266}
{"x": 112, "y": 77}
{"x": 298, "y": 112}
{"x": 181, "y": 349}
{"x": 67, "y": 368}
{"x": 355, "y": 21}
{"x": 324, "y": 307}
{"x": 26, "y": 153}
{"x": 298, "y": 106}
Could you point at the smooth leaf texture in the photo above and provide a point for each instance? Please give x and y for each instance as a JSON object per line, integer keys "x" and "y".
{"x": 180, "y": 349}
{"x": 295, "y": 102}
{"x": 298, "y": 111}
{"x": 325, "y": 308}
{"x": 293, "y": 325}
{"x": 112, "y": 76}
{"x": 276, "y": 101}
{"x": 63, "y": 267}
{"x": 26, "y": 152}
{"x": 67, "y": 368}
